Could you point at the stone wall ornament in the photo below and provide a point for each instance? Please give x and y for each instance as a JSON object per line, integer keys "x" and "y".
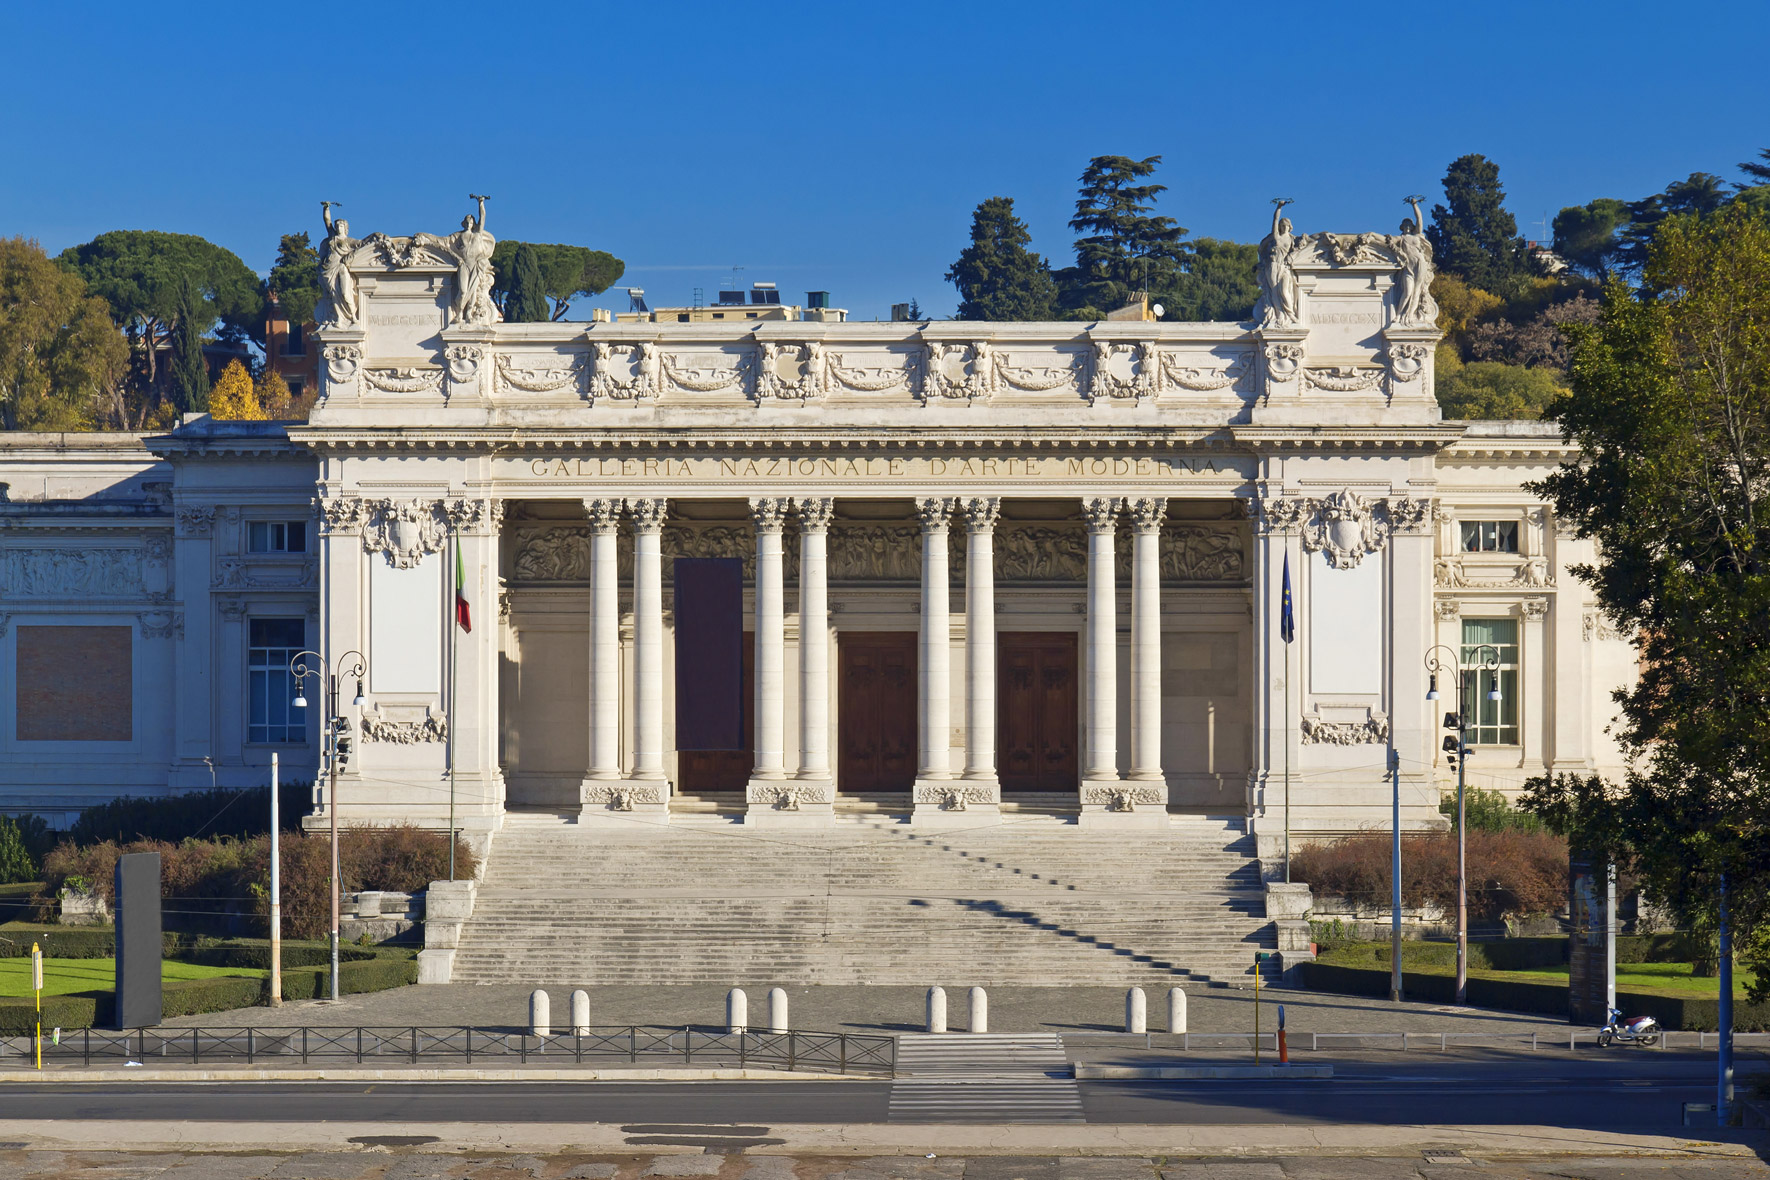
{"x": 868, "y": 380}
{"x": 1372, "y": 731}
{"x": 1409, "y": 515}
{"x": 1283, "y": 359}
{"x": 815, "y": 512}
{"x": 1535, "y": 608}
{"x": 377, "y": 727}
{"x": 706, "y": 379}
{"x": 1344, "y": 527}
{"x": 335, "y": 277}
{"x": 639, "y": 381}
{"x": 955, "y": 797}
{"x": 1343, "y": 379}
{"x": 1033, "y": 380}
{"x": 544, "y": 379}
{"x": 340, "y": 514}
{"x": 1407, "y": 361}
{"x": 1279, "y": 513}
{"x": 1195, "y": 379}
{"x": 342, "y": 363}
{"x": 405, "y": 530}
{"x": 1126, "y": 798}
{"x": 1447, "y": 608}
{"x": 621, "y": 797}
{"x": 976, "y": 372}
{"x": 1108, "y": 385}
{"x": 1199, "y": 553}
{"x": 195, "y": 521}
{"x": 1414, "y": 306}
{"x": 407, "y": 380}
{"x": 1281, "y": 303}
{"x": 807, "y": 362}
{"x": 160, "y": 624}
{"x": 67, "y": 572}
{"x": 463, "y": 361}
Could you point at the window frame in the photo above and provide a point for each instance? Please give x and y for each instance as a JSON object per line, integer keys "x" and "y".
{"x": 1489, "y": 529}
{"x": 273, "y": 667}
{"x": 1507, "y": 717}
{"x": 271, "y": 525}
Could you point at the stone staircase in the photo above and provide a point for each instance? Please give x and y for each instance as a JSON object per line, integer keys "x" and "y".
{"x": 1032, "y": 901}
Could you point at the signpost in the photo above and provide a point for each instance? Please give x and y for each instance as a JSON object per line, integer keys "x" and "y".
{"x": 37, "y": 988}
{"x": 1260, "y": 959}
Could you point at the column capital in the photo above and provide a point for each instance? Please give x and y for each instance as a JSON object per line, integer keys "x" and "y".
{"x": 1148, "y": 512}
{"x": 980, "y": 512}
{"x": 814, "y": 512}
{"x": 605, "y": 514}
{"x": 936, "y": 512}
{"x": 649, "y": 514}
{"x": 1102, "y": 513}
{"x": 769, "y": 513}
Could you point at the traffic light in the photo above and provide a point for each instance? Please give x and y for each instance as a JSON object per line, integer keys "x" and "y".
{"x": 1452, "y": 721}
{"x": 341, "y": 740}
{"x": 1450, "y": 745}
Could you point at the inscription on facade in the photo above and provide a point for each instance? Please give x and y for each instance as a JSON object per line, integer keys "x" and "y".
{"x": 886, "y": 467}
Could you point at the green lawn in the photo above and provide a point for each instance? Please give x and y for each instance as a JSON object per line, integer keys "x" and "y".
{"x": 63, "y": 976}
{"x": 1665, "y": 978}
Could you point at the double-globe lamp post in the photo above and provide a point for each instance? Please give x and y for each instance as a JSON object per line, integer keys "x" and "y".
{"x": 1478, "y": 658}
{"x": 334, "y": 747}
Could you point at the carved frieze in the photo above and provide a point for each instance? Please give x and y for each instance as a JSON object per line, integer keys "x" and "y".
{"x": 787, "y": 796}
{"x": 956, "y": 796}
{"x": 1107, "y": 382}
{"x": 1176, "y": 372}
{"x": 544, "y": 378}
{"x": 1344, "y": 379}
{"x": 963, "y": 372}
{"x": 791, "y": 372}
{"x": 407, "y": 380}
{"x": 377, "y": 726}
{"x": 238, "y": 573}
{"x": 195, "y": 521}
{"x": 621, "y": 796}
{"x": 1466, "y": 573}
{"x": 1595, "y": 625}
{"x": 693, "y": 375}
{"x": 632, "y": 376}
{"x": 158, "y": 624}
{"x": 865, "y": 379}
{"x": 1373, "y": 730}
{"x": 1036, "y": 378}
{"x": 1126, "y": 797}
{"x": 69, "y": 572}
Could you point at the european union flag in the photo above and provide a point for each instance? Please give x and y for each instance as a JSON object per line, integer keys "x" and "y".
{"x": 1287, "y": 622}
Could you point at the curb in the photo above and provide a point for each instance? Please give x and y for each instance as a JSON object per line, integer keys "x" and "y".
{"x": 1173, "y": 1072}
{"x": 174, "y": 1075}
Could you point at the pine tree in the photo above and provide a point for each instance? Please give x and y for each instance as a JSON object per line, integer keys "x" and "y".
{"x": 1475, "y": 237}
{"x": 526, "y": 301}
{"x": 233, "y": 399}
{"x": 1125, "y": 247}
{"x": 1758, "y": 169}
{"x": 190, "y": 374}
{"x": 998, "y": 277}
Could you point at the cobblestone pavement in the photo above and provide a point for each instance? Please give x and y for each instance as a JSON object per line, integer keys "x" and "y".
{"x": 886, "y": 1009}
{"x": 407, "y": 1164}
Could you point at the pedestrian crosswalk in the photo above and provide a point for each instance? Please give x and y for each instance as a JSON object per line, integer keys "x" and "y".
{"x": 980, "y": 1078}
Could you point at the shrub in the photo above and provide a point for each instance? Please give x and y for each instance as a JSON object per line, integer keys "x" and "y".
{"x": 207, "y": 814}
{"x": 23, "y": 841}
{"x": 1512, "y": 874}
{"x": 1488, "y": 811}
{"x": 205, "y": 880}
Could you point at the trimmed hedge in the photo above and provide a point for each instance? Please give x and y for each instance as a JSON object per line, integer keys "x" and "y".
{"x": 1674, "y": 1012}
{"x": 71, "y": 942}
{"x": 362, "y": 972}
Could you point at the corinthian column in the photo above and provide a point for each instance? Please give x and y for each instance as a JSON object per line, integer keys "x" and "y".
{"x": 648, "y": 637}
{"x": 605, "y": 647}
{"x": 980, "y": 514}
{"x": 814, "y": 638}
{"x": 1146, "y": 639}
{"x": 1102, "y": 513}
{"x": 769, "y": 515}
{"x": 934, "y": 720}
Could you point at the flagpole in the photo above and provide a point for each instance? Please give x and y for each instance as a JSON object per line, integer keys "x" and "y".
{"x": 454, "y": 709}
{"x": 1288, "y": 630}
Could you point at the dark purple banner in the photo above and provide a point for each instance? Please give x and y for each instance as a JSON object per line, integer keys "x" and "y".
{"x": 709, "y": 653}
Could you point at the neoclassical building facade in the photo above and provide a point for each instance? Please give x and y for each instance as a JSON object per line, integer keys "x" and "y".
{"x": 781, "y": 570}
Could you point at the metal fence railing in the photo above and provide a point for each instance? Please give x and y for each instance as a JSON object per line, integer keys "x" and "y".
{"x": 649, "y": 1045}
{"x": 1573, "y": 1039}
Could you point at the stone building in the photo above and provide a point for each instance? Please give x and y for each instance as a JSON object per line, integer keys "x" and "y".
{"x": 956, "y": 571}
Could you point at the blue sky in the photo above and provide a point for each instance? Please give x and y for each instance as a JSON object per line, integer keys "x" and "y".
{"x": 843, "y": 146}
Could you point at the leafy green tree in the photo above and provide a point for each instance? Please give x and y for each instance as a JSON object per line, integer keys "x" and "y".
{"x": 140, "y": 274}
{"x": 1758, "y": 170}
{"x": 1491, "y": 390}
{"x": 1586, "y": 235}
{"x": 523, "y": 301}
{"x": 62, "y": 361}
{"x": 190, "y": 373}
{"x": 16, "y": 862}
{"x": 998, "y": 276}
{"x": 1474, "y": 236}
{"x": 567, "y": 272}
{"x": 1670, "y": 408}
{"x": 1216, "y": 281}
{"x": 1125, "y": 247}
{"x": 295, "y": 278}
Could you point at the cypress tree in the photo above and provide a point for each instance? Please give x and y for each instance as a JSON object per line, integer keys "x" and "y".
{"x": 1125, "y": 248}
{"x": 998, "y": 277}
{"x": 1475, "y": 237}
{"x": 190, "y": 375}
{"x": 526, "y": 302}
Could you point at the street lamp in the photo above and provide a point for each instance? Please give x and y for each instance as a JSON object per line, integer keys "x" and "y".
{"x": 334, "y": 746}
{"x": 1486, "y": 659}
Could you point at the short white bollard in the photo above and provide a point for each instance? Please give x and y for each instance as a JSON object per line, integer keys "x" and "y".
{"x": 1136, "y": 1011}
{"x": 937, "y": 1009}
{"x": 580, "y": 1013}
{"x": 777, "y": 1010}
{"x": 540, "y": 1014}
{"x": 979, "y": 1010}
{"x": 737, "y": 1010}
{"x": 1176, "y": 1011}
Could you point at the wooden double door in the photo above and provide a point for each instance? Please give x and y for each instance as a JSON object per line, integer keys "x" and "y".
{"x": 1036, "y": 722}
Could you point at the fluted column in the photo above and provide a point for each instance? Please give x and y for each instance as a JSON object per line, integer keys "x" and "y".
{"x": 980, "y": 515}
{"x": 1147, "y": 514}
{"x": 648, "y": 637}
{"x": 605, "y": 641}
{"x": 814, "y": 637}
{"x": 934, "y": 657}
{"x": 769, "y": 515}
{"x": 1102, "y": 513}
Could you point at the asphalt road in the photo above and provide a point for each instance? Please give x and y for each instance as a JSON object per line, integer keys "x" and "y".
{"x": 1642, "y": 1096}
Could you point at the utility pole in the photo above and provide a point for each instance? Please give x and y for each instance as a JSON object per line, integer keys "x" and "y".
{"x": 1395, "y": 874}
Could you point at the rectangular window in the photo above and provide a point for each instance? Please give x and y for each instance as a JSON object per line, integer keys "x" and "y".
{"x": 273, "y": 718}
{"x": 1491, "y": 723}
{"x": 295, "y": 344}
{"x": 1490, "y": 536}
{"x": 276, "y": 536}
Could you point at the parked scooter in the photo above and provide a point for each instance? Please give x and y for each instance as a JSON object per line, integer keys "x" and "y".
{"x": 1642, "y": 1030}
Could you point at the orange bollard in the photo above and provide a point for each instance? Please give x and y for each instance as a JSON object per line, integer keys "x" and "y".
{"x": 1284, "y": 1052}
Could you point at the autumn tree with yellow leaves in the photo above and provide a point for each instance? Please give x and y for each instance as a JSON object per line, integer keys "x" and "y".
{"x": 233, "y": 398}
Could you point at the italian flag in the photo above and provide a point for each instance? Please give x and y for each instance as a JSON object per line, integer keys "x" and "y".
{"x": 463, "y": 616}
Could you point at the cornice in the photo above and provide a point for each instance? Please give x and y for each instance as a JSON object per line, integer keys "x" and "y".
{"x": 1265, "y": 439}
{"x": 763, "y": 439}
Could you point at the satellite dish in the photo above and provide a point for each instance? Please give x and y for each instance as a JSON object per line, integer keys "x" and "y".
{"x": 1156, "y": 310}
